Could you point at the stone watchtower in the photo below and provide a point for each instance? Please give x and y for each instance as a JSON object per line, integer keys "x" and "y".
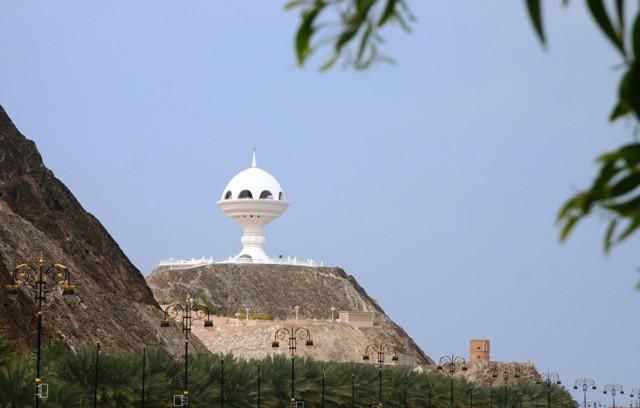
{"x": 479, "y": 351}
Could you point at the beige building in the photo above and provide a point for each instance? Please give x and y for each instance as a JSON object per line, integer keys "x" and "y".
{"x": 479, "y": 351}
{"x": 357, "y": 319}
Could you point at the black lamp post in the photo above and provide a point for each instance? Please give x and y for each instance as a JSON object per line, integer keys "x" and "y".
{"x": 549, "y": 380}
{"x": 429, "y": 390}
{"x": 188, "y": 310}
{"x": 507, "y": 372}
{"x": 259, "y": 375}
{"x": 95, "y": 379}
{"x": 291, "y": 335}
{"x": 353, "y": 391}
{"x": 222, "y": 383}
{"x": 323, "y": 378}
{"x": 449, "y": 365}
{"x": 613, "y": 389}
{"x": 144, "y": 374}
{"x": 404, "y": 399}
{"x": 635, "y": 393}
{"x": 37, "y": 277}
{"x": 380, "y": 349}
{"x": 585, "y": 384}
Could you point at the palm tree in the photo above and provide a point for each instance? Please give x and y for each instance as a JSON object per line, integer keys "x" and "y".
{"x": 7, "y": 351}
{"x": 16, "y": 384}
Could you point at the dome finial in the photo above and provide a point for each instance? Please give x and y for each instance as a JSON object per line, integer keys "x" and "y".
{"x": 253, "y": 161}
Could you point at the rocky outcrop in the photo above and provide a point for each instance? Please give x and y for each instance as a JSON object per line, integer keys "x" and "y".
{"x": 483, "y": 374}
{"x": 39, "y": 215}
{"x": 276, "y": 289}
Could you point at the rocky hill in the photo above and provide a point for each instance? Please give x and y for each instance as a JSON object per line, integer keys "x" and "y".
{"x": 39, "y": 215}
{"x": 276, "y": 289}
{"x": 482, "y": 374}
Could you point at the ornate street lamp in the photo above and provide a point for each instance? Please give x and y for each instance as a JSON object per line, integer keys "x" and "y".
{"x": 613, "y": 389}
{"x": 450, "y": 365}
{"x": 379, "y": 349}
{"x": 635, "y": 393}
{"x": 188, "y": 310}
{"x": 585, "y": 384}
{"x": 595, "y": 404}
{"x": 292, "y": 335}
{"x": 507, "y": 372}
{"x": 40, "y": 278}
{"x": 549, "y": 380}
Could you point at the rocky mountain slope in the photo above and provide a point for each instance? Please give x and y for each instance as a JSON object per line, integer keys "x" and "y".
{"x": 39, "y": 215}
{"x": 276, "y": 289}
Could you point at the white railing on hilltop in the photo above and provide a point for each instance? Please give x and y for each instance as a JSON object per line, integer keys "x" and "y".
{"x": 186, "y": 262}
{"x": 195, "y": 262}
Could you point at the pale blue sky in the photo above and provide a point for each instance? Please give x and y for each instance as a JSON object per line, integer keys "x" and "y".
{"x": 435, "y": 181}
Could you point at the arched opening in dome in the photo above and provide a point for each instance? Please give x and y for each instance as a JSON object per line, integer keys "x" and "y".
{"x": 245, "y": 256}
{"x": 266, "y": 195}
{"x": 281, "y": 196}
{"x": 245, "y": 194}
{"x": 227, "y": 195}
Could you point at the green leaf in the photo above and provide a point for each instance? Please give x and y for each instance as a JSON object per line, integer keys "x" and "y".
{"x": 354, "y": 23}
{"x": 621, "y": 109}
{"x": 568, "y": 206}
{"x": 625, "y": 185}
{"x": 629, "y": 153}
{"x": 599, "y": 13}
{"x": 568, "y": 226}
{"x": 306, "y": 30}
{"x": 535, "y": 13}
{"x": 634, "y": 88}
{"x": 607, "y": 172}
{"x": 635, "y": 37}
{"x": 626, "y": 209}
{"x": 389, "y": 11}
{"x": 608, "y": 237}
{"x": 293, "y": 4}
{"x": 329, "y": 63}
{"x": 620, "y": 14}
{"x": 364, "y": 42}
{"x": 633, "y": 225}
{"x": 345, "y": 37}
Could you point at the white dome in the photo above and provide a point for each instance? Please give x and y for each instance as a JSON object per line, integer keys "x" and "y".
{"x": 253, "y": 198}
{"x": 253, "y": 183}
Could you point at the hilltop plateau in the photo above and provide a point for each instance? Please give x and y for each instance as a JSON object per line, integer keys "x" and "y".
{"x": 276, "y": 290}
